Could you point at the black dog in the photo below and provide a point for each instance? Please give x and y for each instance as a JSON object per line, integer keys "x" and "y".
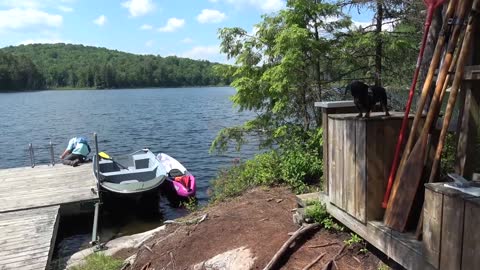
{"x": 364, "y": 99}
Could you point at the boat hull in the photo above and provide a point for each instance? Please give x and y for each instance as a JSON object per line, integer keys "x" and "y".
{"x": 145, "y": 174}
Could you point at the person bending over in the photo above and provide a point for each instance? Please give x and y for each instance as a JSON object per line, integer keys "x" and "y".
{"x": 76, "y": 152}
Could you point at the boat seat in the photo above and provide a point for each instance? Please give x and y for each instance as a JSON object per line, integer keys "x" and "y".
{"x": 138, "y": 175}
{"x": 129, "y": 181}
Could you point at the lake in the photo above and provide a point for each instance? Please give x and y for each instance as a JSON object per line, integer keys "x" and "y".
{"x": 181, "y": 122}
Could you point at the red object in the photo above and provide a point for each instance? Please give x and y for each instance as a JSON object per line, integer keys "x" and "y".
{"x": 431, "y": 6}
{"x": 184, "y": 180}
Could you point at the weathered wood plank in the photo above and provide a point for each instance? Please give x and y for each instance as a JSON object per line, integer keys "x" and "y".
{"x": 23, "y": 188}
{"x": 452, "y": 231}
{"x": 468, "y": 152}
{"x": 471, "y": 235}
{"x": 375, "y": 169}
{"x": 43, "y": 170}
{"x": 340, "y": 198}
{"x": 432, "y": 226}
{"x": 361, "y": 171}
{"x": 349, "y": 167}
{"x": 28, "y": 242}
{"x": 326, "y": 147}
{"x": 332, "y": 161}
{"x": 403, "y": 249}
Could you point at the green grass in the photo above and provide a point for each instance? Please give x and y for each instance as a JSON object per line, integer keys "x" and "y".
{"x": 98, "y": 261}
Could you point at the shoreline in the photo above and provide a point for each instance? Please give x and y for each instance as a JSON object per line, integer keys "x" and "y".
{"x": 100, "y": 89}
{"x": 243, "y": 232}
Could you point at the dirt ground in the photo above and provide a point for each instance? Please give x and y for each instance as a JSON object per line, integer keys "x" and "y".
{"x": 260, "y": 220}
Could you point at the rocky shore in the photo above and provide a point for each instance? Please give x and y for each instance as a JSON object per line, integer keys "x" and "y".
{"x": 242, "y": 233}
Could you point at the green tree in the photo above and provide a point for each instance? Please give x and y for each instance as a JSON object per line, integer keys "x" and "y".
{"x": 66, "y": 65}
{"x": 282, "y": 68}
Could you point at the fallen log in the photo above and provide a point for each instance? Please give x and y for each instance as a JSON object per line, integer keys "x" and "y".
{"x": 300, "y": 232}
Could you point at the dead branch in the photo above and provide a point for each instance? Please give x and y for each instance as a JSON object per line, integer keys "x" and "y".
{"x": 172, "y": 259}
{"x": 146, "y": 266}
{"x": 300, "y": 232}
{"x": 314, "y": 261}
{"x": 324, "y": 245}
{"x": 196, "y": 220}
{"x": 332, "y": 262}
{"x": 148, "y": 248}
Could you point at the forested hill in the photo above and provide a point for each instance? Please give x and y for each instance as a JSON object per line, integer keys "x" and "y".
{"x": 40, "y": 66}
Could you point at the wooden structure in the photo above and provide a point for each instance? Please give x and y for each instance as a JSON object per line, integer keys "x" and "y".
{"x": 358, "y": 156}
{"x": 31, "y": 201}
{"x": 27, "y": 237}
{"x": 450, "y": 228}
{"x": 359, "y": 153}
{"x": 327, "y": 108}
{"x": 469, "y": 129}
{"x": 358, "y": 160}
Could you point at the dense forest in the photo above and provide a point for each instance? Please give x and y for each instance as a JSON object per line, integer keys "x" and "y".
{"x": 40, "y": 66}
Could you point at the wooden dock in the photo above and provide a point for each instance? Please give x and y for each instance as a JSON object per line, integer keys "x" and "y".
{"x": 31, "y": 201}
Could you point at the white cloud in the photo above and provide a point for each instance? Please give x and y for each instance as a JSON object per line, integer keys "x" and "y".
{"x": 139, "y": 7}
{"x": 65, "y": 8}
{"x": 36, "y": 4}
{"x": 211, "y": 16}
{"x": 210, "y": 53}
{"x": 213, "y": 1}
{"x": 149, "y": 43}
{"x": 43, "y": 41}
{"x": 172, "y": 25}
{"x": 21, "y": 3}
{"x": 17, "y": 18}
{"x": 263, "y": 5}
{"x": 187, "y": 40}
{"x": 101, "y": 20}
{"x": 146, "y": 27}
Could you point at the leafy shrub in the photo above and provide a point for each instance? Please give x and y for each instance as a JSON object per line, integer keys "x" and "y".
{"x": 296, "y": 163}
{"x": 316, "y": 211}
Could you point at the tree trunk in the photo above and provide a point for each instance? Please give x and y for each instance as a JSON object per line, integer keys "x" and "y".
{"x": 378, "y": 44}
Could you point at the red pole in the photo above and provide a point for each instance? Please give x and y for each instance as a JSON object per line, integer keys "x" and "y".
{"x": 401, "y": 136}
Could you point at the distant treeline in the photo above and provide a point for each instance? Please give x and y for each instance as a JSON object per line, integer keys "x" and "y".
{"x": 40, "y": 66}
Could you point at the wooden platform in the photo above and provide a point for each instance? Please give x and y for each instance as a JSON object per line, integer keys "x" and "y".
{"x": 28, "y": 237}
{"x": 31, "y": 200}
{"x": 25, "y": 188}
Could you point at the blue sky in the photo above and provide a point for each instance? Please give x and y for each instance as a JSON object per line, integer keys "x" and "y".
{"x": 186, "y": 28}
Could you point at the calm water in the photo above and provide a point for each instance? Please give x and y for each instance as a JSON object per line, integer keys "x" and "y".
{"x": 181, "y": 122}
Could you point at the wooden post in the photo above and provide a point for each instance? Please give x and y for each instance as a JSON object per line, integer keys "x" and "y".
{"x": 471, "y": 235}
{"x": 95, "y": 238}
{"x": 32, "y": 155}
{"x": 468, "y": 149}
{"x": 52, "y": 155}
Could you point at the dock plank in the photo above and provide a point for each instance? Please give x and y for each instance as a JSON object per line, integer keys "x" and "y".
{"x": 25, "y": 188}
{"x": 30, "y": 201}
{"x": 28, "y": 251}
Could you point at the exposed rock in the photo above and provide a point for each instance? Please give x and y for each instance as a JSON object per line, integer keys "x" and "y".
{"x": 237, "y": 259}
{"x": 112, "y": 247}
